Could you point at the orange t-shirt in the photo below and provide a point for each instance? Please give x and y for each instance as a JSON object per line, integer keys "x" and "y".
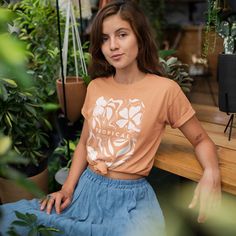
{"x": 126, "y": 121}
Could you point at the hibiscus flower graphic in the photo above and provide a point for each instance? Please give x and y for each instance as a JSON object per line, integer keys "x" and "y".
{"x": 130, "y": 118}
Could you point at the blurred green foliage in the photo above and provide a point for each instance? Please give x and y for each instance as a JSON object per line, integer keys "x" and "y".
{"x": 12, "y": 65}
{"x": 12, "y": 52}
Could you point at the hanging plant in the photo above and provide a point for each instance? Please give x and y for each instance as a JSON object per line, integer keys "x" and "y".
{"x": 71, "y": 90}
{"x": 221, "y": 20}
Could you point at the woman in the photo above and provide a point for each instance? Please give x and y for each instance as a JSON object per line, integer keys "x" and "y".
{"x": 126, "y": 109}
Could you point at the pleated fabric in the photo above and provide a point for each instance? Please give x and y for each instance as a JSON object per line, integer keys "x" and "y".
{"x": 100, "y": 207}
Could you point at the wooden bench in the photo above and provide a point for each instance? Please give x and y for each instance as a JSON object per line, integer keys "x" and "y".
{"x": 176, "y": 154}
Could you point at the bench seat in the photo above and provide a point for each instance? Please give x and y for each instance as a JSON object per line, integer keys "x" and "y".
{"x": 176, "y": 154}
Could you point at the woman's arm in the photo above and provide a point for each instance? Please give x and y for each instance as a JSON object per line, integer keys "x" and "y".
{"x": 79, "y": 161}
{"x": 63, "y": 198}
{"x": 208, "y": 190}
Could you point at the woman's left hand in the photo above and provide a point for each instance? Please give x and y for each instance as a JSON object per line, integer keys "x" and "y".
{"x": 207, "y": 194}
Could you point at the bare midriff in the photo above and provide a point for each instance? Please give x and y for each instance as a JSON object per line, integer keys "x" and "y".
{"x": 116, "y": 175}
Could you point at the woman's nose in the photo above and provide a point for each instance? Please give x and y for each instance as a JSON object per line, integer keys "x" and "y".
{"x": 113, "y": 44}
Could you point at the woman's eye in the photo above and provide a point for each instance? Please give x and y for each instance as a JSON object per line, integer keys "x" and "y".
{"x": 122, "y": 35}
{"x": 104, "y": 39}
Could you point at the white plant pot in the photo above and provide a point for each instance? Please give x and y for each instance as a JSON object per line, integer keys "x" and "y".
{"x": 61, "y": 175}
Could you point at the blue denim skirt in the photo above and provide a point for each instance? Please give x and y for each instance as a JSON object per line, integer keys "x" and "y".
{"x": 100, "y": 207}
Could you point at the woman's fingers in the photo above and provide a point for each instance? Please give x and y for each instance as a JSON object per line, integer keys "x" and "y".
{"x": 210, "y": 200}
{"x": 58, "y": 204}
{"x": 205, "y": 206}
{"x": 195, "y": 198}
{"x": 66, "y": 203}
{"x": 43, "y": 202}
{"x": 59, "y": 199}
{"x": 50, "y": 204}
{"x": 217, "y": 201}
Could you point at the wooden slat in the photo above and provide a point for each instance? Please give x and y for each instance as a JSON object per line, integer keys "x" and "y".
{"x": 215, "y": 132}
{"x": 176, "y": 155}
{"x": 210, "y": 114}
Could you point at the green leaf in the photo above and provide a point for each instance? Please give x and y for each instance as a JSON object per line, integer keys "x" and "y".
{"x": 166, "y": 53}
{"x": 11, "y": 83}
{"x": 48, "y": 124}
{"x": 5, "y": 15}
{"x": 20, "y": 223}
{"x": 7, "y": 120}
{"x": 12, "y": 232}
{"x": 13, "y": 159}
{"x": 3, "y": 93}
{"x": 30, "y": 109}
{"x": 44, "y": 229}
{"x": 21, "y": 216}
{"x": 32, "y": 217}
{"x": 172, "y": 60}
{"x": 50, "y": 106}
{"x": 11, "y": 50}
{"x": 5, "y": 145}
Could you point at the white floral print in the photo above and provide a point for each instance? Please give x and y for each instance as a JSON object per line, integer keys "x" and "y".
{"x": 130, "y": 117}
{"x": 115, "y": 126}
{"x": 92, "y": 153}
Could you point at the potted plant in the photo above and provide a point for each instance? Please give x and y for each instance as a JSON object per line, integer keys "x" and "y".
{"x": 71, "y": 85}
{"x": 35, "y": 25}
{"x": 226, "y": 62}
{"x": 174, "y": 69}
{"x": 16, "y": 106}
{"x": 222, "y": 20}
{"x": 21, "y": 118}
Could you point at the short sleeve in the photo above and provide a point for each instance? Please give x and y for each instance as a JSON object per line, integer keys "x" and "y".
{"x": 85, "y": 107}
{"x": 180, "y": 109}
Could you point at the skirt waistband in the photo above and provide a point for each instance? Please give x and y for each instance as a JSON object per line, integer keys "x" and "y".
{"x": 114, "y": 182}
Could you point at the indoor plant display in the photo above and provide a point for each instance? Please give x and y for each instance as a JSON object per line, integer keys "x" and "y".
{"x": 16, "y": 106}
{"x": 36, "y": 23}
{"x": 222, "y": 19}
{"x": 226, "y": 65}
{"x": 174, "y": 69}
{"x": 71, "y": 90}
{"x": 21, "y": 118}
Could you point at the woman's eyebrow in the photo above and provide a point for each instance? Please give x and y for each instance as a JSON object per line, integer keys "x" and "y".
{"x": 122, "y": 28}
{"x": 118, "y": 30}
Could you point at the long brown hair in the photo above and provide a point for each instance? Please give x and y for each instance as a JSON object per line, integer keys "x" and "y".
{"x": 129, "y": 11}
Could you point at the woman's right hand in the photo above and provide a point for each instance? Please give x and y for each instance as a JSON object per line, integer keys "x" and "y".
{"x": 60, "y": 200}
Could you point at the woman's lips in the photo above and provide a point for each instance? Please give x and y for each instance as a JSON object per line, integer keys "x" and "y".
{"x": 116, "y": 56}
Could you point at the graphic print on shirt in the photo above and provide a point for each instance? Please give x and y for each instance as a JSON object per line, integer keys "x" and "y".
{"x": 115, "y": 126}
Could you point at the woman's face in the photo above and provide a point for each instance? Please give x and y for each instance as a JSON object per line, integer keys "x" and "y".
{"x": 119, "y": 43}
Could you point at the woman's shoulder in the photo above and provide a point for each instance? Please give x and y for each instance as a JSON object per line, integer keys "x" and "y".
{"x": 163, "y": 82}
{"x": 99, "y": 80}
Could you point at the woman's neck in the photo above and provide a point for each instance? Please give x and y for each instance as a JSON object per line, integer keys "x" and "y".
{"x": 128, "y": 77}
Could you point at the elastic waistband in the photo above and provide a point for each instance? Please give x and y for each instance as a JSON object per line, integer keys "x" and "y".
{"x": 119, "y": 183}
